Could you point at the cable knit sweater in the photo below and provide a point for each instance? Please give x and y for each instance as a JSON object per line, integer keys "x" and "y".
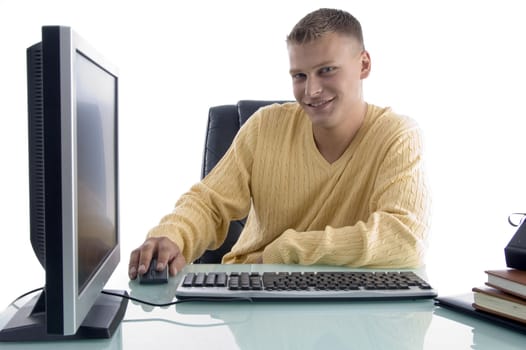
{"x": 368, "y": 208}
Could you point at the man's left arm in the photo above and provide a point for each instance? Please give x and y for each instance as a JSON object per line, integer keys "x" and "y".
{"x": 394, "y": 234}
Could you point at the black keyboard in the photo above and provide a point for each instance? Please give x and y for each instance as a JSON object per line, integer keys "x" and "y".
{"x": 340, "y": 285}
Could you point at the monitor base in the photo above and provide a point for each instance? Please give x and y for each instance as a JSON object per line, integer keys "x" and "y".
{"x": 102, "y": 321}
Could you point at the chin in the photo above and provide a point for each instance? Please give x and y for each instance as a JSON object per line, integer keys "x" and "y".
{"x": 322, "y": 121}
{"x": 321, "y": 116}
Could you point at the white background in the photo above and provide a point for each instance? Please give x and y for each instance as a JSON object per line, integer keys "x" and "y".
{"x": 457, "y": 67}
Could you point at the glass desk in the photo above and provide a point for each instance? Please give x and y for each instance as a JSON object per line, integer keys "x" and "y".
{"x": 280, "y": 325}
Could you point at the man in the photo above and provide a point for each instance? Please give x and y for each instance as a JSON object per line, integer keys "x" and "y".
{"x": 329, "y": 179}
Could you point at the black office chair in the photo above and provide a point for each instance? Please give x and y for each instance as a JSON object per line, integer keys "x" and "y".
{"x": 223, "y": 124}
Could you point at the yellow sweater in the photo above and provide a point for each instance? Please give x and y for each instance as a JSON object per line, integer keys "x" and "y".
{"x": 369, "y": 208}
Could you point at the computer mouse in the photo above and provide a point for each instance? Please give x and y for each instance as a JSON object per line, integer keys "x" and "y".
{"x": 152, "y": 276}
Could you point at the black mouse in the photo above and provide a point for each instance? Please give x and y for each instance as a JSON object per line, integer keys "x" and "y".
{"x": 152, "y": 276}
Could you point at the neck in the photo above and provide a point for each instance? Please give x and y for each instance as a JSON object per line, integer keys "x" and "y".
{"x": 332, "y": 142}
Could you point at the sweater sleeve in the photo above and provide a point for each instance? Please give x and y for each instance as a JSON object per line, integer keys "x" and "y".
{"x": 201, "y": 217}
{"x": 394, "y": 235}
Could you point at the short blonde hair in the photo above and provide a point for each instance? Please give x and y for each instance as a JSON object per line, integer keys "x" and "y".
{"x": 323, "y": 21}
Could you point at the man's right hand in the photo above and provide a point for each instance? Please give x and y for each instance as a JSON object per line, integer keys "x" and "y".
{"x": 166, "y": 251}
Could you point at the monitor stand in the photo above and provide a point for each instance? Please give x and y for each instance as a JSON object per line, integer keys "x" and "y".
{"x": 102, "y": 321}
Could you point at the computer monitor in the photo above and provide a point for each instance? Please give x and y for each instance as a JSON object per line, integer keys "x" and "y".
{"x": 73, "y": 185}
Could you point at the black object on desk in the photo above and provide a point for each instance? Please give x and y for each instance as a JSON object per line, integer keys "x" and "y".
{"x": 152, "y": 276}
{"x": 464, "y": 304}
{"x": 515, "y": 251}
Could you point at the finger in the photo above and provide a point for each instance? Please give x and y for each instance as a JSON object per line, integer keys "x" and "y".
{"x": 132, "y": 265}
{"x": 177, "y": 264}
{"x": 166, "y": 252}
{"x": 147, "y": 251}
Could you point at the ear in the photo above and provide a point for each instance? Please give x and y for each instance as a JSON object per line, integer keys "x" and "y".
{"x": 365, "y": 59}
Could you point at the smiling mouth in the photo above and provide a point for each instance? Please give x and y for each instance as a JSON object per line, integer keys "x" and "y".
{"x": 318, "y": 104}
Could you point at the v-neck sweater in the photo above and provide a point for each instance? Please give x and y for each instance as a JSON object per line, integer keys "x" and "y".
{"x": 368, "y": 208}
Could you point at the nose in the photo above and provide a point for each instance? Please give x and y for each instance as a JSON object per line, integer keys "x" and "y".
{"x": 312, "y": 87}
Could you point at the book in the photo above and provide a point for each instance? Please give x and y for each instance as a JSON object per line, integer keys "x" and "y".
{"x": 499, "y": 303}
{"x": 508, "y": 280}
{"x": 464, "y": 304}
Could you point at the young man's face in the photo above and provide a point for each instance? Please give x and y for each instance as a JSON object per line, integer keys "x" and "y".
{"x": 327, "y": 76}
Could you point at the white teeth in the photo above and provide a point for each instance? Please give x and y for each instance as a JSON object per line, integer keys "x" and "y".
{"x": 317, "y": 104}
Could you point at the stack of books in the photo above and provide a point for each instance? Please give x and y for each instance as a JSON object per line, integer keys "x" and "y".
{"x": 503, "y": 295}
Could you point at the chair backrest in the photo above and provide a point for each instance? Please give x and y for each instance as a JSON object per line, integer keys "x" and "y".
{"x": 223, "y": 124}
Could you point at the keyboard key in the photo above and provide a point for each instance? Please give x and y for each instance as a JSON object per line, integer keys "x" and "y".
{"x": 199, "y": 280}
{"x": 221, "y": 279}
{"x": 188, "y": 280}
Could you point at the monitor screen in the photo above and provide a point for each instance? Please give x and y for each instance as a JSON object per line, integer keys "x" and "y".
{"x": 96, "y": 181}
{"x": 73, "y": 173}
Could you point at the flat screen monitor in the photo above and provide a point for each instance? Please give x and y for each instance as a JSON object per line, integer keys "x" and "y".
{"x": 73, "y": 186}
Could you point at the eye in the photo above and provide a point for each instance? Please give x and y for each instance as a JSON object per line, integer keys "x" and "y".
{"x": 298, "y": 76}
{"x": 326, "y": 70}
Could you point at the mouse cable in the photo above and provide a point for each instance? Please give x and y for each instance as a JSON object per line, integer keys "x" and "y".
{"x": 144, "y": 301}
{"x": 26, "y": 294}
{"x": 177, "y": 301}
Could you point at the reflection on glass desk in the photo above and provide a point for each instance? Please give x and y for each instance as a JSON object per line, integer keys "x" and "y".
{"x": 409, "y": 324}
{"x": 322, "y": 325}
